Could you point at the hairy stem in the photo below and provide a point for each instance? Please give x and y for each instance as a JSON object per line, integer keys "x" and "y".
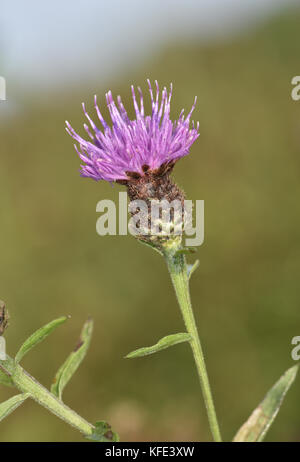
{"x": 27, "y": 384}
{"x": 178, "y": 271}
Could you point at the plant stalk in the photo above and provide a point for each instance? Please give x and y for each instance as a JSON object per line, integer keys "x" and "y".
{"x": 178, "y": 271}
{"x": 27, "y": 384}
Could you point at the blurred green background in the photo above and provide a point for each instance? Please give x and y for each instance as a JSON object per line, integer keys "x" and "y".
{"x": 245, "y": 166}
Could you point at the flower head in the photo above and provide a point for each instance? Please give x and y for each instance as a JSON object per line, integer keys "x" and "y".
{"x": 134, "y": 146}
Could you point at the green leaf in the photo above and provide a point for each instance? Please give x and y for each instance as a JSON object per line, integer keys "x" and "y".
{"x": 192, "y": 268}
{"x": 11, "y": 404}
{"x": 69, "y": 367}
{"x": 263, "y": 416}
{"x": 163, "y": 343}
{"x": 103, "y": 433}
{"x": 38, "y": 337}
{"x": 5, "y": 379}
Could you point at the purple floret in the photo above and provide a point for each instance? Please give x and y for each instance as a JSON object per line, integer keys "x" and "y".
{"x": 130, "y": 145}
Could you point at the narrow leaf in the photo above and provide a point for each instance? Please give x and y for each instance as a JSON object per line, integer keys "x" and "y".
{"x": 11, "y": 404}
{"x": 163, "y": 343}
{"x": 103, "y": 433}
{"x": 69, "y": 367}
{"x": 263, "y": 416}
{"x": 38, "y": 336}
{"x": 192, "y": 268}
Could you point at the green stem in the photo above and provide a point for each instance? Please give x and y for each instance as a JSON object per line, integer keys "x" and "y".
{"x": 27, "y": 384}
{"x": 178, "y": 271}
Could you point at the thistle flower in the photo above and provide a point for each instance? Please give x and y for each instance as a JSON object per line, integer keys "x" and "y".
{"x": 139, "y": 153}
{"x": 133, "y": 148}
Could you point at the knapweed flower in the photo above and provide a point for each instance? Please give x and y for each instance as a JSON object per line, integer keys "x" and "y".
{"x": 138, "y": 153}
{"x": 134, "y": 146}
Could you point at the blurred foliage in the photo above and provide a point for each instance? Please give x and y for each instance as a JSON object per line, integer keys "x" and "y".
{"x": 245, "y": 166}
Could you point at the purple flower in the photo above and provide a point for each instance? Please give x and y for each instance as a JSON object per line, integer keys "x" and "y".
{"x": 134, "y": 146}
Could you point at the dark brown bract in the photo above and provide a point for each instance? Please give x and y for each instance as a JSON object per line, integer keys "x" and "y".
{"x": 154, "y": 184}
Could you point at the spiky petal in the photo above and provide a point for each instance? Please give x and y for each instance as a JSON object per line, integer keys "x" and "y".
{"x": 130, "y": 145}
